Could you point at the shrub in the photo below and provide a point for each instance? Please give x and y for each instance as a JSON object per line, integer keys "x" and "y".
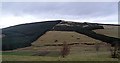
{"x": 56, "y": 41}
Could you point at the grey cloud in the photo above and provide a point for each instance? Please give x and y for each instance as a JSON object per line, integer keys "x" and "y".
{"x": 63, "y": 8}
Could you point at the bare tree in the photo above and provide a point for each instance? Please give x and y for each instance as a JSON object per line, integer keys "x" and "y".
{"x": 65, "y": 50}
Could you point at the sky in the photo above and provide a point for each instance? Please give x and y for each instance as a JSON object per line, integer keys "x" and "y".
{"x": 14, "y": 13}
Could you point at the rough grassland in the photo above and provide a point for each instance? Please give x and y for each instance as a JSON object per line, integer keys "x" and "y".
{"x": 69, "y": 37}
{"x": 109, "y": 31}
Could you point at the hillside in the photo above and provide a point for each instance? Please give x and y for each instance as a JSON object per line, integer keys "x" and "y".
{"x": 24, "y": 35}
{"x": 43, "y": 41}
{"x": 109, "y": 31}
{"x": 58, "y": 37}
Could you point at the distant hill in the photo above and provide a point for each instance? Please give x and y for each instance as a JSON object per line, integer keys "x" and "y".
{"x": 24, "y": 35}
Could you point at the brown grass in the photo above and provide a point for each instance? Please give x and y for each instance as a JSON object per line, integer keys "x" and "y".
{"x": 109, "y": 31}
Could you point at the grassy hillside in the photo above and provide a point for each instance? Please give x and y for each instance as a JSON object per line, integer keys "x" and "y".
{"x": 57, "y": 37}
{"x": 23, "y": 35}
{"x": 109, "y": 31}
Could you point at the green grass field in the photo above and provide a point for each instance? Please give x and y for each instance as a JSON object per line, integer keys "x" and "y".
{"x": 77, "y": 53}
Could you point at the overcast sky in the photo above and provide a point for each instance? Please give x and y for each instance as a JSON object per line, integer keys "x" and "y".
{"x": 27, "y": 12}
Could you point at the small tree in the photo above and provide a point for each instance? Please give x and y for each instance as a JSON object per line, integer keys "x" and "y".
{"x": 115, "y": 51}
{"x": 65, "y": 50}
